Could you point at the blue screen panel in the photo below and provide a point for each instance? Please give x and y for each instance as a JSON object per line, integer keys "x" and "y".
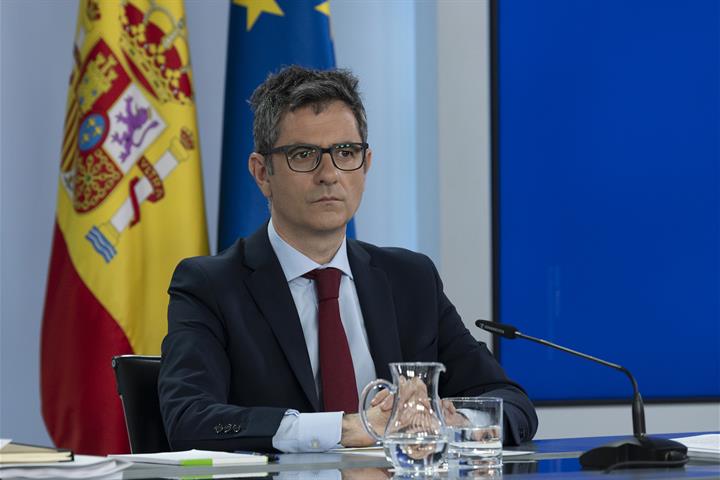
{"x": 609, "y": 194}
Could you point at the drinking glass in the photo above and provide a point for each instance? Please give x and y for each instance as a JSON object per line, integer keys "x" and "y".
{"x": 474, "y": 429}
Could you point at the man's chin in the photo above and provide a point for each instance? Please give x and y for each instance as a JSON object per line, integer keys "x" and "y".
{"x": 330, "y": 223}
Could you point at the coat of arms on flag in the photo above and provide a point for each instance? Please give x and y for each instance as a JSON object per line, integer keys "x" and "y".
{"x": 130, "y": 206}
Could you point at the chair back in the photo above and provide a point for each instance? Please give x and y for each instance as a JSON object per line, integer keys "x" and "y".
{"x": 136, "y": 377}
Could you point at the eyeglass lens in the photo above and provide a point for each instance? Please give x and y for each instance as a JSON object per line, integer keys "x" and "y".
{"x": 305, "y": 158}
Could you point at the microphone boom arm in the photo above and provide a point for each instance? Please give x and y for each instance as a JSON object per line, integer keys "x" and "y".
{"x": 638, "y": 409}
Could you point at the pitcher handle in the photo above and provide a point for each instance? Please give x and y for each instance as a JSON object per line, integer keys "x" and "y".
{"x": 375, "y": 384}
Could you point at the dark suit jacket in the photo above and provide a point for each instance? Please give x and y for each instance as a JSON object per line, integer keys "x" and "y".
{"x": 234, "y": 358}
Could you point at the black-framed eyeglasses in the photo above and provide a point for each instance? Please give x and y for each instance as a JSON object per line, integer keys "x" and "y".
{"x": 303, "y": 157}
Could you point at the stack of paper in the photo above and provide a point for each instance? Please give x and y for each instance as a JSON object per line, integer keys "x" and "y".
{"x": 82, "y": 466}
{"x": 702, "y": 446}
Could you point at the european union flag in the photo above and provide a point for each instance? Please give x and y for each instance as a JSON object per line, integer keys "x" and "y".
{"x": 265, "y": 35}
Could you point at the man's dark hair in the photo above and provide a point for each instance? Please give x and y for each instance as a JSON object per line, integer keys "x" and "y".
{"x": 295, "y": 87}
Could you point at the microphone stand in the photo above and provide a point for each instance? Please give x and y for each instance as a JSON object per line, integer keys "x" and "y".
{"x": 640, "y": 449}
{"x": 638, "y": 408}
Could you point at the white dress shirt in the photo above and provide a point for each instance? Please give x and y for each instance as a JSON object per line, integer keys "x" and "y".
{"x": 303, "y": 432}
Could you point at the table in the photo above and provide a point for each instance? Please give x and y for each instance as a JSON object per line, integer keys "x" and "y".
{"x": 552, "y": 459}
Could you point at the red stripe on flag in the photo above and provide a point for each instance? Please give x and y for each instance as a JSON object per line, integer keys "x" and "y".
{"x": 80, "y": 403}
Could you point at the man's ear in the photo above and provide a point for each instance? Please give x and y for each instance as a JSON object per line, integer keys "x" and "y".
{"x": 368, "y": 160}
{"x": 260, "y": 172}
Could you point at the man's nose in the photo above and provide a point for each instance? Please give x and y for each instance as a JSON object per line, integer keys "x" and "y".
{"x": 326, "y": 170}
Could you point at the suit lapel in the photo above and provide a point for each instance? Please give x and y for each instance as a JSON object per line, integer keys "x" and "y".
{"x": 269, "y": 288}
{"x": 377, "y": 307}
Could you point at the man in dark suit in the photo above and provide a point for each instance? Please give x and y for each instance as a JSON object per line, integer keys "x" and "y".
{"x": 270, "y": 341}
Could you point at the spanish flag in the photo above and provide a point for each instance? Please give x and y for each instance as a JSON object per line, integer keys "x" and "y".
{"x": 129, "y": 207}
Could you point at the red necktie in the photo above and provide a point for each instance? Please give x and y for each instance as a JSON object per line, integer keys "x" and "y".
{"x": 336, "y": 368}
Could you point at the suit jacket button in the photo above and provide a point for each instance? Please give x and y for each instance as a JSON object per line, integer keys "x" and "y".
{"x": 218, "y": 428}
{"x": 228, "y": 427}
{"x": 236, "y": 428}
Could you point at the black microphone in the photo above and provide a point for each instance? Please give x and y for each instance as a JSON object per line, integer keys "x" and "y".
{"x": 639, "y": 448}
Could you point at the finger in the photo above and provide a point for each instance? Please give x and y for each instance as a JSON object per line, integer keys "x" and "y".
{"x": 449, "y": 406}
{"x": 387, "y": 403}
{"x": 377, "y": 399}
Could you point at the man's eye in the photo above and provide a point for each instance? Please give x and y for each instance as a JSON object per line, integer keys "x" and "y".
{"x": 301, "y": 153}
{"x": 346, "y": 151}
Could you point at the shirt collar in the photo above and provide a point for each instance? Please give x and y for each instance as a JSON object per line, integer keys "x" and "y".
{"x": 296, "y": 264}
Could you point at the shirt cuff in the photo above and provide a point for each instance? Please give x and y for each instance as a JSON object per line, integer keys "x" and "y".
{"x": 308, "y": 432}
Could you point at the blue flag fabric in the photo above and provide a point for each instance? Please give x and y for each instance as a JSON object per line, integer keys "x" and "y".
{"x": 265, "y": 35}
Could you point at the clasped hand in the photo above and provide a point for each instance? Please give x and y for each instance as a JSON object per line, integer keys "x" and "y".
{"x": 414, "y": 414}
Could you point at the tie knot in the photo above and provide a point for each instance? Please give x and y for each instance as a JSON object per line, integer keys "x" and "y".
{"x": 327, "y": 281}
